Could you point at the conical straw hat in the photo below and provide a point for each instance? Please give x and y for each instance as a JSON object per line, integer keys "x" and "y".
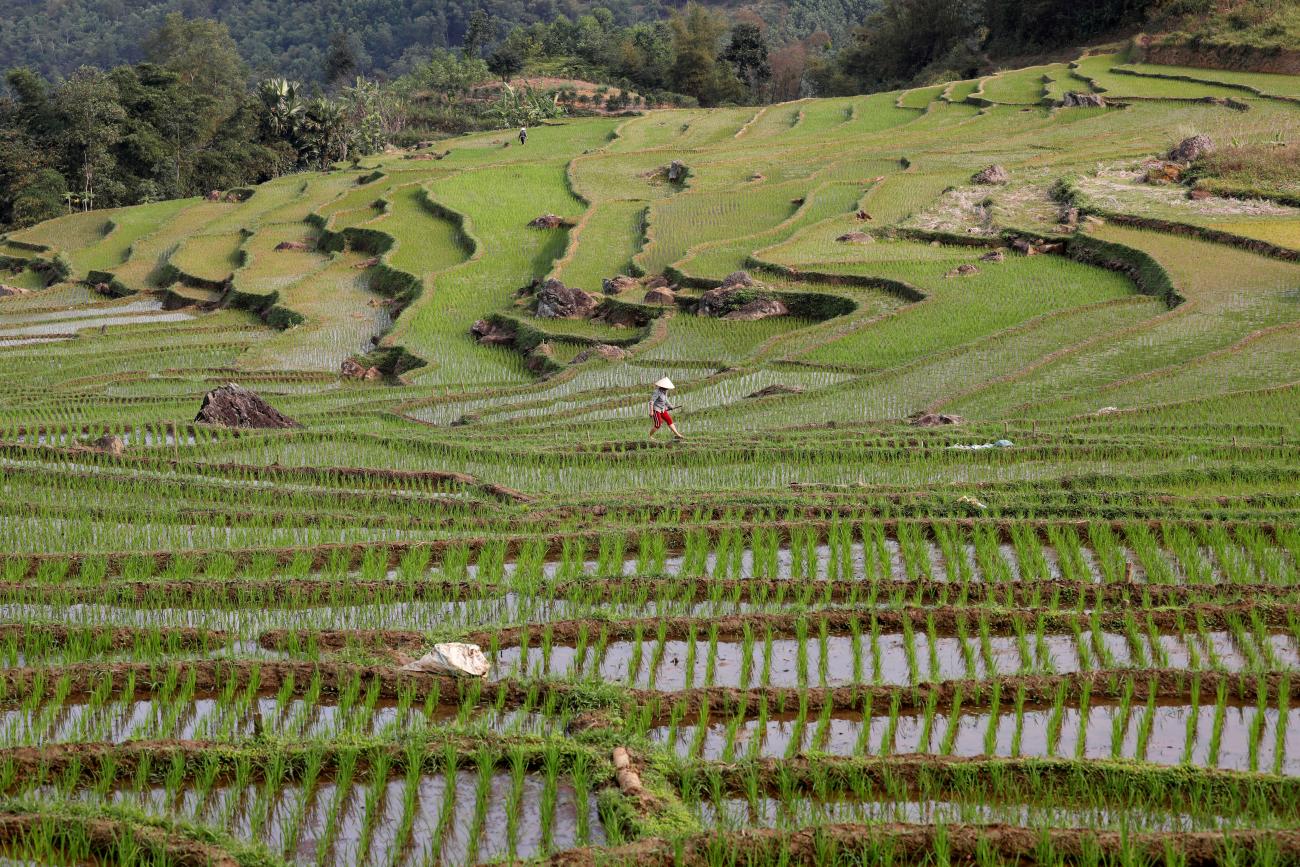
{"x": 665, "y": 383}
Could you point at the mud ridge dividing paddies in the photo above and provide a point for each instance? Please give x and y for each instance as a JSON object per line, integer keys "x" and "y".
{"x": 981, "y": 546}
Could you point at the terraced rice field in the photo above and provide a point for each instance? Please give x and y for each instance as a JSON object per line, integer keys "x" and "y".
{"x": 1063, "y": 630}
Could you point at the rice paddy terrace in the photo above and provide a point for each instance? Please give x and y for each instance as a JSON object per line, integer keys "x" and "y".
{"x": 811, "y": 633}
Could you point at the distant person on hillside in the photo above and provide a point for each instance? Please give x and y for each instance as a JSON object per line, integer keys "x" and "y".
{"x": 523, "y": 135}
{"x": 660, "y": 408}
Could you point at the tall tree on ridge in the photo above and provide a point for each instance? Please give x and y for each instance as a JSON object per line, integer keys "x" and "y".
{"x": 747, "y": 54}
{"x": 91, "y": 117}
{"x": 202, "y": 53}
{"x": 340, "y": 60}
{"x": 696, "y": 71}
{"x": 478, "y": 34}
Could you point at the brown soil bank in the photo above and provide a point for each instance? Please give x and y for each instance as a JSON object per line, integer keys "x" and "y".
{"x": 1243, "y": 58}
{"x": 351, "y": 555}
{"x": 110, "y": 637}
{"x": 929, "y": 776}
{"x": 314, "y": 592}
{"x": 86, "y": 764}
{"x": 915, "y": 844}
{"x": 212, "y": 677}
{"x": 946, "y": 620}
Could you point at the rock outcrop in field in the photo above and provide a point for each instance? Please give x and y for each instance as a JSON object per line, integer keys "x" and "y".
{"x": 557, "y": 301}
{"x": 607, "y": 351}
{"x": 1075, "y": 99}
{"x": 233, "y": 405}
{"x": 993, "y": 175}
{"x": 1192, "y": 148}
{"x": 491, "y": 333}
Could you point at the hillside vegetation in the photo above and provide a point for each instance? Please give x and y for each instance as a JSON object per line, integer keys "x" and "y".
{"x": 981, "y": 548}
{"x": 293, "y": 39}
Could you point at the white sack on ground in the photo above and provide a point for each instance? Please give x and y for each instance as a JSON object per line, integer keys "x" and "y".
{"x": 452, "y": 657}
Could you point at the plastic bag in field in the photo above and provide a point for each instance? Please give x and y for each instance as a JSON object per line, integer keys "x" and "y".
{"x": 452, "y": 657}
{"x": 975, "y": 447}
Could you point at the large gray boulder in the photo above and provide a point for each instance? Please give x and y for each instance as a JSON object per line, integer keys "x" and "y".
{"x": 549, "y": 221}
{"x": 109, "y": 444}
{"x": 774, "y": 390}
{"x": 856, "y": 238}
{"x": 557, "y": 301}
{"x": 489, "y": 333}
{"x": 235, "y": 406}
{"x": 607, "y": 351}
{"x": 739, "y": 302}
{"x": 539, "y": 360}
{"x": 619, "y": 284}
{"x": 992, "y": 175}
{"x": 1191, "y": 149}
{"x": 661, "y": 295}
{"x": 1075, "y": 99}
{"x": 759, "y": 308}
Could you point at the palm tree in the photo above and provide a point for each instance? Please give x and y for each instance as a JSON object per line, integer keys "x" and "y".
{"x": 325, "y": 131}
{"x": 284, "y": 107}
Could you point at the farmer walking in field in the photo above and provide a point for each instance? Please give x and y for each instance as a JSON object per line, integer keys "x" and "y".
{"x": 523, "y": 135}
{"x": 660, "y": 408}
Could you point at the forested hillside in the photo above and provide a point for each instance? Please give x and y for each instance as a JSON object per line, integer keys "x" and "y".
{"x": 266, "y": 88}
{"x": 927, "y": 41}
{"x": 292, "y": 37}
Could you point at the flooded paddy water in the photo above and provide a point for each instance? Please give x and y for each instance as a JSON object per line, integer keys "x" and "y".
{"x": 312, "y": 717}
{"x": 800, "y": 812}
{"x": 1003, "y": 561}
{"x": 1174, "y": 734}
{"x": 463, "y": 818}
{"x": 837, "y": 660}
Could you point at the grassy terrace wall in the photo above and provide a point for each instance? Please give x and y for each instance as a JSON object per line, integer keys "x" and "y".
{"x": 1070, "y": 193}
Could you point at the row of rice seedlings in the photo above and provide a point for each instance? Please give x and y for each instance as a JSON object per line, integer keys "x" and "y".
{"x": 1134, "y": 797}
{"x": 865, "y": 653}
{"x": 45, "y": 647}
{"x": 814, "y": 837}
{"x": 445, "y": 800}
{"x": 419, "y": 603}
{"x": 219, "y": 486}
{"x": 844, "y": 549}
{"x": 299, "y": 510}
{"x": 61, "y": 837}
{"x": 299, "y": 712}
{"x": 525, "y": 599}
{"x": 1263, "y": 737}
{"x": 154, "y": 433}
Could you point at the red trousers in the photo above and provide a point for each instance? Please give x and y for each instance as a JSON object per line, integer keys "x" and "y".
{"x": 661, "y": 417}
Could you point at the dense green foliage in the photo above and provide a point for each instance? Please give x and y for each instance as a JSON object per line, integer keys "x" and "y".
{"x": 1268, "y": 24}
{"x": 183, "y": 123}
{"x": 293, "y": 39}
{"x": 186, "y": 121}
{"x": 924, "y": 41}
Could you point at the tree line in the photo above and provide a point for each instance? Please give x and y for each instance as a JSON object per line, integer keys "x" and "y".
{"x": 291, "y": 38}
{"x": 911, "y": 42}
{"x": 181, "y": 123}
{"x": 191, "y": 117}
